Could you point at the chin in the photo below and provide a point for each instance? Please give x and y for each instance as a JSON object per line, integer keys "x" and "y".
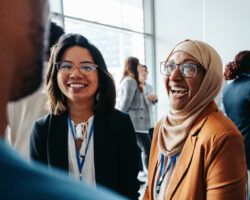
{"x": 176, "y": 106}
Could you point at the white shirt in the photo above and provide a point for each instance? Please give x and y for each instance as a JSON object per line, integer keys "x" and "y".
{"x": 21, "y": 116}
{"x": 88, "y": 170}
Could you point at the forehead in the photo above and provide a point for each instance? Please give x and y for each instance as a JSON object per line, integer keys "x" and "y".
{"x": 139, "y": 67}
{"x": 77, "y": 54}
{"x": 182, "y": 56}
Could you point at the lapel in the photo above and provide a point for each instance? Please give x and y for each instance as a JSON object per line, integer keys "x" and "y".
{"x": 188, "y": 150}
{"x": 58, "y": 141}
{"x": 185, "y": 159}
{"x": 145, "y": 97}
{"x": 103, "y": 141}
{"x": 153, "y": 158}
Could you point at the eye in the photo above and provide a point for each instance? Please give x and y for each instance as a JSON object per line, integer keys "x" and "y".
{"x": 188, "y": 69}
{"x": 64, "y": 66}
{"x": 87, "y": 68}
{"x": 169, "y": 67}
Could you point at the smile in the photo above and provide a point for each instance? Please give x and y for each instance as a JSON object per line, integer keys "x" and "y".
{"x": 76, "y": 85}
{"x": 178, "y": 90}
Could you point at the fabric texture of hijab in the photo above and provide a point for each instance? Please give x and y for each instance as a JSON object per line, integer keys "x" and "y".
{"x": 176, "y": 125}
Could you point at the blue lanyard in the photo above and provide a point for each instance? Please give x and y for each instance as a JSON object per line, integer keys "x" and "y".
{"x": 80, "y": 162}
{"x": 162, "y": 173}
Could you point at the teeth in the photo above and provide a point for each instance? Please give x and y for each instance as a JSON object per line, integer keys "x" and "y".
{"x": 76, "y": 85}
{"x": 178, "y": 89}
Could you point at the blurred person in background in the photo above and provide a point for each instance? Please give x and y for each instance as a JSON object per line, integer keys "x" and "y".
{"x": 150, "y": 97}
{"x": 133, "y": 101}
{"x": 236, "y": 98}
{"x": 23, "y": 113}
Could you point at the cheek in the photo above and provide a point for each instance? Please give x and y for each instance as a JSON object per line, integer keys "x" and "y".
{"x": 95, "y": 80}
{"x": 60, "y": 81}
{"x": 194, "y": 88}
{"x": 94, "y": 83}
{"x": 166, "y": 80}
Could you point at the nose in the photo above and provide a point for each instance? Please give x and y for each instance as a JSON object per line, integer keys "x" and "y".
{"x": 75, "y": 73}
{"x": 176, "y": 75}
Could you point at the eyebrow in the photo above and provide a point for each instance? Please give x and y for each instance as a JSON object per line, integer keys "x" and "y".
{"x": 186, "y": 60}
{"x": 82, "y": 62}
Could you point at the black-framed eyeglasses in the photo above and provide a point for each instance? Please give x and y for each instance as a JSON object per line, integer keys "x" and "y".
{"x": 187, "y": 70}
{"x": 67, "y": 67}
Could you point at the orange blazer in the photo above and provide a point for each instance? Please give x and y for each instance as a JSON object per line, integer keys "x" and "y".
{"x": 212, "y": 163}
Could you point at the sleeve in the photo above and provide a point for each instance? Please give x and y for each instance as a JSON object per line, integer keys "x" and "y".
{"x": 127, "y": 94}
{"x": 128, "y": 159}
{"x": 226, "y": 172}
{"x": 38, "y": 143}
{"x": 12, "y": 123}
{"x": 147, "y": 92}
{"x": 150, "y": 89}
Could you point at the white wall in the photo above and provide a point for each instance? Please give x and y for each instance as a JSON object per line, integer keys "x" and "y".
{"x": 224, "y": 24}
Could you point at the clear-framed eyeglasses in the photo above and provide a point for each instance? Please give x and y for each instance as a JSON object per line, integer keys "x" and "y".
{"x": 187, "y": 70}
{"x": 67, "y": 67}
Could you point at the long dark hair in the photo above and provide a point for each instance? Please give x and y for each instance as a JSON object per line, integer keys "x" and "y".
{"x": 241, "y": 64}
{"x": 130, "y": 67}
{"x": 56, "y": 99}
{"x": 54, "y": 34}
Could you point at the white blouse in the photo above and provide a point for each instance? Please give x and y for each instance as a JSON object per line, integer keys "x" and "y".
{"x": 88, "y": 171}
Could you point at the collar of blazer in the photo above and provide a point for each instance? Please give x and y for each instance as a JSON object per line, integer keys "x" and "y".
{"x": 58, "y": 141}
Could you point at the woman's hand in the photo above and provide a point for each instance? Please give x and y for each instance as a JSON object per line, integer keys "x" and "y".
{"x": 153, "y": 98}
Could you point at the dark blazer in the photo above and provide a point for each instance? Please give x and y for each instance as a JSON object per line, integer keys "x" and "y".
{"x": 116, "y": 154}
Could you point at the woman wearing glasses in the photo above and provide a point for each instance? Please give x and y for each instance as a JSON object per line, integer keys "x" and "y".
{"x": 196, "y": 152}
{"x": 84, "y": 134}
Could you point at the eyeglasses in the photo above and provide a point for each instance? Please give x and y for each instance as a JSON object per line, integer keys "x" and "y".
{"x": 187, "y": 70}
{"x": 67, "y": 67}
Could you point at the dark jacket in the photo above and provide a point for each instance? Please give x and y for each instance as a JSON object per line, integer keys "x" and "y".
{"x": 236, "y": 102}
{"x": 116, "y": 154}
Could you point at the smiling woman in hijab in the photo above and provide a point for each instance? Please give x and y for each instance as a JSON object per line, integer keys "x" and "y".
{"x": 196, "y": 152}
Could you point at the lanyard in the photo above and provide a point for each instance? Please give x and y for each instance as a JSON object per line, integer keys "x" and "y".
{"x": 80, "y": 162}
{"x": 162, "y": 173}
